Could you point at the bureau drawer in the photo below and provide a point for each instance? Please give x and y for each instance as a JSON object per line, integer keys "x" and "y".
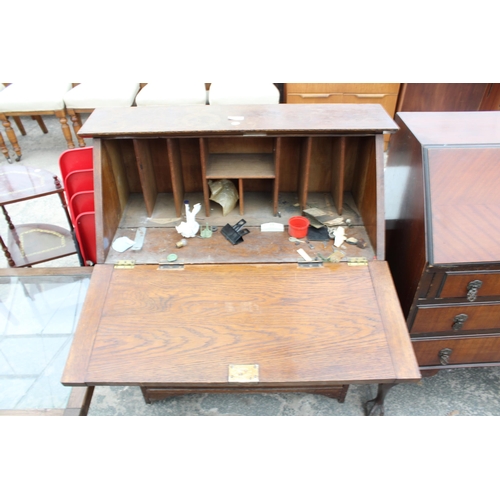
{"x": 457, "y": 351}
{"x": 459, "y": 318}
{"x": 470, "y": 286}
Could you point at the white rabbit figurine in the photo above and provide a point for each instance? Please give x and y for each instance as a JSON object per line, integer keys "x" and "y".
{"x": 189, "y": 228}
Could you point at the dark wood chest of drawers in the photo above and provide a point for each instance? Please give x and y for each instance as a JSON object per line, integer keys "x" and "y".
{"x": 444, "y": 246}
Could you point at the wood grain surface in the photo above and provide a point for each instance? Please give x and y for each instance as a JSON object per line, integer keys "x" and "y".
{"x": 456, "y": 284}
{"x": 464, "y": 206}
{"x": 466, "y": 350}
{"x": 454, "y": 127}
{"x": 257, "y": 247}
{"x": 180, "y": 327}
{"x": 193, "y": 121}
{"x": 441, "y": 319}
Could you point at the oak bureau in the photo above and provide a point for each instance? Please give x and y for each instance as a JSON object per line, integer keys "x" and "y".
{"x": 252, "y": 316}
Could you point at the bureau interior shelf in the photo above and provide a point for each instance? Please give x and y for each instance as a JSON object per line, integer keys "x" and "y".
{"x": 240, "y": 166}
{"x": 242, "y": 159}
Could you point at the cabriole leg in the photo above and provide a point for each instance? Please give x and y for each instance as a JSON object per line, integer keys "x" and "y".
{"x": 375, "y": 407}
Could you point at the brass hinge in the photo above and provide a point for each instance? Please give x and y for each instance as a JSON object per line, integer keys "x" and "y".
{"x": 243, "y": 373}
{"x": 357, "y": 261}
{"x": 125, "y": 264}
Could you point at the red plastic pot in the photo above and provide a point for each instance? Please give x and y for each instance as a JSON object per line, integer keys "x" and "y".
{"x": 298, "y": 226}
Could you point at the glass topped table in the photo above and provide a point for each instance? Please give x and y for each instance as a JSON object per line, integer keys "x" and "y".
{"x": 39, "y": 311}
{"x": 30, "y": 244}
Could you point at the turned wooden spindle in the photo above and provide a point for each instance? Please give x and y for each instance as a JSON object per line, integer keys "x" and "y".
{"x": 65, "y": 128}
{"x": 11, "y": 135}
{"x": 7, "y": 254}
{"x": 3, "y": 149}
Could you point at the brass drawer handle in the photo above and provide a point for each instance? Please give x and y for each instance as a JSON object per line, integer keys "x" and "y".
{"x": 444, "y": 355}
{"x": 472, "y": 289}
{"x": 459, "y": 321}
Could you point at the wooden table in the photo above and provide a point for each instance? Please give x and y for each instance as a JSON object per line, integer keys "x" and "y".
{"x": 254, "y": 316}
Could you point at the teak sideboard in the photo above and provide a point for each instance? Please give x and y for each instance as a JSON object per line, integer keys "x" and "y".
{"x": 444, "y": 248}
{"x": 252, "y": 316}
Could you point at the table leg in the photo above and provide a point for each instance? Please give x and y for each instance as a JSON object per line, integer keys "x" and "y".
{"x": 7, "y": 254}
{"x": 375, "y": 406}
{"x": 7, "y": 218}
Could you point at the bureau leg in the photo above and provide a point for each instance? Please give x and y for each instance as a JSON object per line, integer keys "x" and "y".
{"x": 375, "y": 406}
{"x": 145, "y": 395}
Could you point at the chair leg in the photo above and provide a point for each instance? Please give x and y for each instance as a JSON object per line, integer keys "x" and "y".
{"x": 3, "y": 149}
{"x": 19, "y": 124}
{"x": 11, "y": 135}
{"x": 65, "y": 128}
{"x": 41, "y": 123}
{"x": 77, "y": 123}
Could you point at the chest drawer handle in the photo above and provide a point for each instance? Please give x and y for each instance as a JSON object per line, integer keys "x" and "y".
{"x": 472, "y": 289}
{"x": 459, "y": 321}
{"x": 315, "y": 96}
{"x": 444, "y": 355}
{"x": 370, "y": 96}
